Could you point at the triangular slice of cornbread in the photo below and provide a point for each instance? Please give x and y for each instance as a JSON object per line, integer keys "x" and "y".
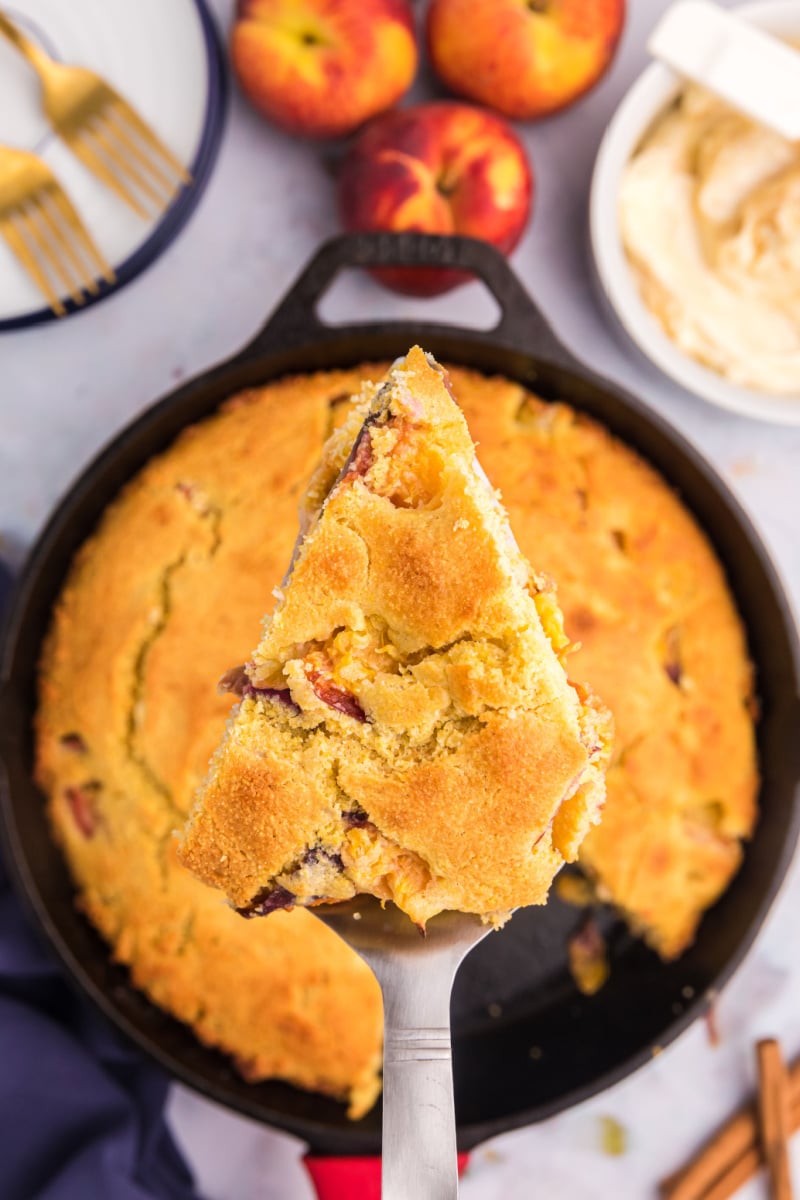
{"x": 406, "y": 726}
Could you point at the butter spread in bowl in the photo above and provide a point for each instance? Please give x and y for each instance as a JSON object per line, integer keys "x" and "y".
{"x": 710, "y": 220}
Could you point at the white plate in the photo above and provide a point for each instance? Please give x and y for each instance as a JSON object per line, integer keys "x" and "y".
{"x": 163, "y": 56}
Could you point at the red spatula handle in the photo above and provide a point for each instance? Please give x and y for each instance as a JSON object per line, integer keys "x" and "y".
{"x": 351, "y": 1178}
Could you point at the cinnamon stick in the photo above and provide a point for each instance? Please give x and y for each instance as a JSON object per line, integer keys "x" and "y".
{"x": 731, "y": 1156}
{"x": 773, "y": 1118}
{"x": 736, "y": 1176}
{"x": 729, "y": 1143}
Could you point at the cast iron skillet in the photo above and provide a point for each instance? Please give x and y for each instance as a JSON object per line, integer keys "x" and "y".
{"x": 546, "y": 1046}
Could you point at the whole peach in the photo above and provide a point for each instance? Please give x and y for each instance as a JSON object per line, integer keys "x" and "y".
{"x": 525, "y": 58}
{"x": 321, "y": 68}
{"x": 437, "y": 168}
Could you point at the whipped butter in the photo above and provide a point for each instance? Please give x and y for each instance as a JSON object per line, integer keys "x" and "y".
{"x": 710, "y": 219}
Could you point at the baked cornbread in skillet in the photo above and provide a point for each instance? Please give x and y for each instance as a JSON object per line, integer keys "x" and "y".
{"x": 128, "y": 702}
{"x": 406, "y": 728}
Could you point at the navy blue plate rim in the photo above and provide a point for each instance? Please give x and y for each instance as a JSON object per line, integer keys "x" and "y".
{"x": 179, "y": 212}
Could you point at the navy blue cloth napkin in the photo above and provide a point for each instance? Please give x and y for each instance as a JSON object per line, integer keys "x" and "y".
{"x": 81, "y": 1111}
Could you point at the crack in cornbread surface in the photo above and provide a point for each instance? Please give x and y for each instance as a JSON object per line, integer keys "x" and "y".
{"x": 641, "y": 591}
{"x": 404, "y": 678}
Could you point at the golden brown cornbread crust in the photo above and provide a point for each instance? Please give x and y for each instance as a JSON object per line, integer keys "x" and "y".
{"x": 158, "y": 603}
{"x": 165, "y": 597}
{"x": 474, "y": 766}
{"x": 661, "y": 642}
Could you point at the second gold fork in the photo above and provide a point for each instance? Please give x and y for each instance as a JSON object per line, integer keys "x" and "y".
{"x": 41, "y": 226}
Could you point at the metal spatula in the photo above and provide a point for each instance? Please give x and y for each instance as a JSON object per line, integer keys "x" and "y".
{"x": 416, "y": 975}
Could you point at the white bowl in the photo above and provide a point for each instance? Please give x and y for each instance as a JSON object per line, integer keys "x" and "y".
{"x": 655, "y": 89}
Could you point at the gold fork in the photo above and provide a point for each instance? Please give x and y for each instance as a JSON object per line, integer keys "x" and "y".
{"x": 103, "y": 130}
{"x": 43, "y": 229}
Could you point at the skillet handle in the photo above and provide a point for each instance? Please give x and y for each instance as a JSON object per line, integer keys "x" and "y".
{"x": 351, "y": 1178}
{"x": 521, "y": 326}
